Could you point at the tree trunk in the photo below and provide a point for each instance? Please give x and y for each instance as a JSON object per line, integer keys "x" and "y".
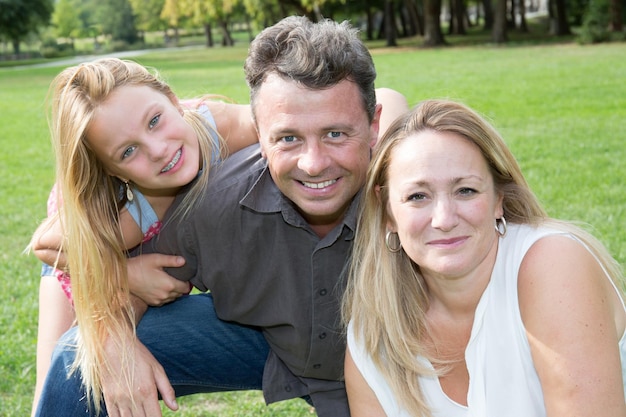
{"x": 416, "y": 22}
{"x": 498, "y": 34}
{"x": 511, "y": 15}
{"x": 523, "y": 27}
{"x": 227, "y": 40}
{"x": 489, "y": 18}
{"x": 432, "y": 23}
{"x": 390, "y": 23}
{"x": 561, "y": 15}
{"x": 249, "y": 27}
{"x": 208, "y": 34}
{"x": 16, "y": 47}
{"x": 459, "y": 14}
{"x": 369, "y": 30}
{"x": 617, "y": 24}
{"x": 559, "y": 25}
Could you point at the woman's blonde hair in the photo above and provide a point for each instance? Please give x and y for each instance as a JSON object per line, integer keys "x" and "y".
{"x": 386, "y": 297}
{"x": 92, "y": 200}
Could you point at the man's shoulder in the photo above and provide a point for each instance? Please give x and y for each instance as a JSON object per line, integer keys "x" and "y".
{"x": 237, "y": 172}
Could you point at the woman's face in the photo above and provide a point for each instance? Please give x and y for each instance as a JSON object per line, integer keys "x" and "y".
{"x": 442, "y": 203}
{"x": 139, "y": 134}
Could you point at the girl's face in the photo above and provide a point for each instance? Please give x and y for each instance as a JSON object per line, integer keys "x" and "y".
{"x": 443, "y": 204}
{"x": 140, "y": 136}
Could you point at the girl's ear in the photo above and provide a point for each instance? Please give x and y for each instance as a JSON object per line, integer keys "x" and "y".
{"x": 377, "y": 191}
{"x": 176, "y": 102}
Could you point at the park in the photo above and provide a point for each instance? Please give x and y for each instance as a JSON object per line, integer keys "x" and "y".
{"x": 560, "y": 106}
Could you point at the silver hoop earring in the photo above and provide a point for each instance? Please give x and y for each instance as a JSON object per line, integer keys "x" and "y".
{"x": 390, "y": 248}
{"x": 129, "y": 192}
{"x": 501, "y": 226}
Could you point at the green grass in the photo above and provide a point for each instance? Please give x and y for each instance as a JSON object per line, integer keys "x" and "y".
{"x": 560, "y": 107}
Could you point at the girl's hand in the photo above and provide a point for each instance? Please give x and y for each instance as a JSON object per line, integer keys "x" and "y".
{"x": 148, "y": 281}
{"x": 149, "y": 379}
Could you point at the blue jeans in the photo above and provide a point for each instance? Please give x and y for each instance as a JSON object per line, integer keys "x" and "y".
{"x": 199, "y": 352}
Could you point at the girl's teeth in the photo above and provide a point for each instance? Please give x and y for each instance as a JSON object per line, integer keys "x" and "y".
{"x": 173, "y": 162}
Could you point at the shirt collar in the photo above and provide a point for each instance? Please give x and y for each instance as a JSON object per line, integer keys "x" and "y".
{"x": 265, "y": 197}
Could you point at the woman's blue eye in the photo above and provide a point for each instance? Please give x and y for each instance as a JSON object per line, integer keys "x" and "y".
{"x": 417, "y": 197}
{"x": 128, "y": 151}
{"x": 467, "y": 191}
{"x": 154, "y": 121}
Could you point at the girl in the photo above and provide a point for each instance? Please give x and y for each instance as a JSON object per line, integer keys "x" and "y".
{"x": 125, "y": 147}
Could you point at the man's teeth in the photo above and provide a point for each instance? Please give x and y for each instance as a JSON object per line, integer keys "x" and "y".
{"x": 173, "y": 162}
{"x": 318, "y": 184}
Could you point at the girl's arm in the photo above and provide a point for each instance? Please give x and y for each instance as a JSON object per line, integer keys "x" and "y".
{"x": 394, "y": 105}
{"x": 46, "y": 242}
{"x": 47, "y": 239}
{"x": 234, "y": 124}
{"x": 574, "y": 320}
{"x": 361, "y": 398}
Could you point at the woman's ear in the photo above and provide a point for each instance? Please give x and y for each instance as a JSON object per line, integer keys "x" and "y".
{"x": 499, "y": 206}
{"x": 391, "y": 224}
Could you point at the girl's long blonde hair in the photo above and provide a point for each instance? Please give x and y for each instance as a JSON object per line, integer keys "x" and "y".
{"x": 386, "y": 297}
{"x": 92, "y": 201}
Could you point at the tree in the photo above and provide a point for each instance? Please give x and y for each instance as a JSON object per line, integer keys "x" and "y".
{"x": 172, "y": 15}
{"x": 390, "y": 23}
{"x": 498, "y": 33}
{"x": 148, "y": 15}
{"x": 66, "y": 20}
{"x": 207, "y": 11}
{"x": 617, "y": 24}
{"x": 433, "y": 35}
{"x": 18, "y": 18}
{"x": 117, "y": 20}
{"x": 558, "y": 17}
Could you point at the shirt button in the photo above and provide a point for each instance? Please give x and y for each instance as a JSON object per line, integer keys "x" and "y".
{"x": 323, "y": 292}
{"x": 317, "y": 366}
{"x": 322, "y": 335}
{"x": 288, "y": 388}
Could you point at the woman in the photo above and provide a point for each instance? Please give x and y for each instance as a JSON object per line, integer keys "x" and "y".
{"x": 481, "y": 304}
{"x": 125, "y": 147}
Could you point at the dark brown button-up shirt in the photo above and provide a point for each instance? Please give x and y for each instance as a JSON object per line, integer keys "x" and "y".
{"x": 265, "y": 267}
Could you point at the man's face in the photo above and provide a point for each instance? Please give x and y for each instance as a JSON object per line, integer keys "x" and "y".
{"x": 317, "y": 144}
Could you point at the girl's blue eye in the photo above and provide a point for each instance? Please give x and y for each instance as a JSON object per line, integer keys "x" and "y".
{"x": 128, "y": 152}
{"x": 154, "y": 121}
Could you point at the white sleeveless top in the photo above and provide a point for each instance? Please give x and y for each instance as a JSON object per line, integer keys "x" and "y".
{"x": 503, "y": 381}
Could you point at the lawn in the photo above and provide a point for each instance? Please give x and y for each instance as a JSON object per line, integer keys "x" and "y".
{"x": 561, "y": 108}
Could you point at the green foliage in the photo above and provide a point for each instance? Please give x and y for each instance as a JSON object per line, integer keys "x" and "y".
{"x": 18, "y": 18}
{"x": 117, "y": 19}
{"x": 66, "y": 19}
{"x": 595, "y": 27}
{"x": 561, "y": 108}
{"x": 51, "y": 48}
{"x": 148, "y": 14}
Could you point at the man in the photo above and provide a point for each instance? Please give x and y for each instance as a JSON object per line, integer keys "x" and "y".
{"x": 270, "y": 239}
